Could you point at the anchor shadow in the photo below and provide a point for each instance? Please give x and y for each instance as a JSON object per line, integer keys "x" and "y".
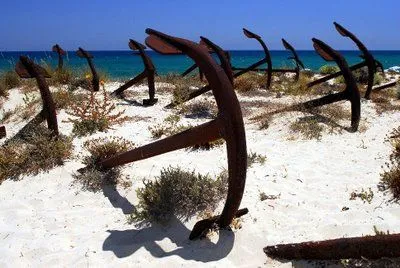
{"x": 125, "y": 243}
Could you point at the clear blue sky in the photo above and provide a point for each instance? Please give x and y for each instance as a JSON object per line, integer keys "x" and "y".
{"x": 107, "y": 25}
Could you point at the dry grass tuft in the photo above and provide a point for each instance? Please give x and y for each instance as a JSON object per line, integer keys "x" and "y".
{"x": 308, "y": 127}
{"x": 36, "y": 151}
{"x": 390, "y": 178}
{"x": 178, "y": 193}
{"x": 169, "y": 127}
{"x": 95, "y": 114}
{"x": 250, "y": 81}
{"x": 199, "y": 109}
{"x": 92, "y": 178}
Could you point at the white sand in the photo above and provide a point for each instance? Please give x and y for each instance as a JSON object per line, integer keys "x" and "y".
{"x": 47, "y": 221}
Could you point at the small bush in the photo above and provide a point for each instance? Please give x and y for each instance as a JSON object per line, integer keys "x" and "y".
{"x": 3, "y": 90}
{"x": 249, "y": 82}
{"x": 390, "y": 178}
{"x": 92, "y": 177}
{"x": 208, "y": 145}
{"x": 11, "y": 79}
{"x": 64, "y": 98}
{"x": 299, "y": 87}
{"x": 200, "y": 109}
{"x": 179, "y": 193}
{"x": 253, "y": 158}
{"x": 37, "y": 151}
{"x": 94, "y": 114}
{"x": 329, "y": 69}
{"x": 64, "y": 76}
{"x": 308, "y": 127}
{"x": 169, "y": 127}
{"x": 363, "y": 195}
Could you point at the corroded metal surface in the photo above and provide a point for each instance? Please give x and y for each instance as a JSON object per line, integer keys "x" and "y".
{"x": 228, "y": 125}
{"x": 60, "y": 52}
{"x": 26, "y": 68}
{"x": 3, "y": 132}
{"x": 350, "y": 93}
{"x": 95, "y": 78}
{"x": 148, "y": 72}
{"x": 266, "y": 59}
{"x": 295, "y": 58}
{"x": 225, "y": 65}
{"x": 370, "y": 247}
{"x": 369, "y": 61}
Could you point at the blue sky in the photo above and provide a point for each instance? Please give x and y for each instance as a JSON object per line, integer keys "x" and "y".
{"x": 107, "y": 25}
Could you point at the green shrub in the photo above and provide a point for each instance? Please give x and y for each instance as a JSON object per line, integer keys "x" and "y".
{"x": 329, "y": 69}
{"x": 390, "y": 178}
{"x": 64, "y": 76}
{"x": 308, "y": 127}
{"x": 94, "y": 114}
{"x": 253, "y": 158}
{"x": 36, "y": 151}
{"x": 92, "y": 177}
{"x": 250, "y": 81}
{"x": 11, "y": 79}
{"x": 169, "y": 127}
{"x": 179, "y": 193}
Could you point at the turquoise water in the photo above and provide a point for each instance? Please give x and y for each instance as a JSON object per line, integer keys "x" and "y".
{"x": 125, "y": 64}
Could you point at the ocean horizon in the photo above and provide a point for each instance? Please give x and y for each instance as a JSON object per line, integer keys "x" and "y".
{"x": 123, "y": 64}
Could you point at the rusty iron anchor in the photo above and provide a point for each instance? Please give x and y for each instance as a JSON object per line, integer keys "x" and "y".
{"x": 350, "y": 93}
{"x": 253, "y": 67}
{"x": 148, "y": 72}
{"x": 60, "y": 52}
{"x": 369, "y": 61}
{"x": 26, "y": 68}
{"x": 295, "y": 58}
{"x": 228, "y": 125}
{"x": 95, "y": 78}
{"x": 225, "y": 65}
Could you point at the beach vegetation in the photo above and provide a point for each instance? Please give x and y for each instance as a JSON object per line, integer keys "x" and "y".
{"x": 180, "y": 193}
{"x": 253, "y": 158}
{"x": 36, "y": 151}
{"x": 364, "y": 195}
{"x": 8, "y": 80}
{"x": 168, "y": 127}
{"x": 95, "y": 112}
{"x": 328, "y": 69}
{"x": 199, "y": 109}
{"x": 250, "y": 81}
{"x": 390, "y": 178}
{"x": 93, "y": 178}
{"x": 308, "y": 127}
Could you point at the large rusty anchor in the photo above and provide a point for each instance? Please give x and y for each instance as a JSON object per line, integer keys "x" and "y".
{"x": 295, "y": 58}
{"x": 370, "y": 247}
{"x": 369, "y": 61}
{"x": 95, "y": 78}
{"x": 26, "y": 68}
{"x": 60, "y": 52}
{"x": 148, "y": 72}
{"x": 194, "y": 66}
{"x": 228, "y": 125}
{"x": 350, "y": 93}
{"x": 225, "y": 65}
{"x": 254, "y": 66}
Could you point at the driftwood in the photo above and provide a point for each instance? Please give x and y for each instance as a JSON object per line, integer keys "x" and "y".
{"x": 228, "y": 125}
{"x": 370, "y": 247}
{"x": 26, "y": 68}
{"x": 387, "y": 85}
{"x": 148, "y": 72}
{"x": 95, "y": 78}
{"x": 369, "y": 61}
{"x": 56, "y": 48}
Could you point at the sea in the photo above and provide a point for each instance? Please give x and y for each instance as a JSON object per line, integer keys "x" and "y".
{"x": 119, "y": 65}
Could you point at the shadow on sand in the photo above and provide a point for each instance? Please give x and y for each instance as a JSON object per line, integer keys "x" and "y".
{"x": 124, "y": 243}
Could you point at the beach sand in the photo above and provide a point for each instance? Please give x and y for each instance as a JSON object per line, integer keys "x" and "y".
{"x": 46, "y": 220}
